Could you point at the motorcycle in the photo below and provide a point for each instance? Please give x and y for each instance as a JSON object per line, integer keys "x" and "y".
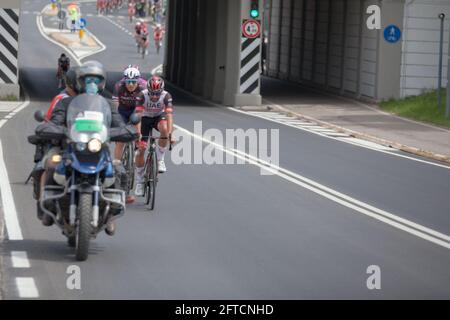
{"x": 85, "y": 196}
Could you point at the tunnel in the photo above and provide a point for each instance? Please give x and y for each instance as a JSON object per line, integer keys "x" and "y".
{"x": 323, "y": 44}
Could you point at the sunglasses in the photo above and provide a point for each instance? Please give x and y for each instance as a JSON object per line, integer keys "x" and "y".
{"x": 90, "y": 80}
{"x": 155, "y": 94}
{"x": 131, "y": 82}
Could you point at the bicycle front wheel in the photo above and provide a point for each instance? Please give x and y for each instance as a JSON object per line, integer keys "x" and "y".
{"x": 151, "y": 180}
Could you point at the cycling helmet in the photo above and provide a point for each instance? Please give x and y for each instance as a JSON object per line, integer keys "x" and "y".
{"x": 94, "y": 69}
{"x": 131, "y": 73}
{"x": 155, "y": 84}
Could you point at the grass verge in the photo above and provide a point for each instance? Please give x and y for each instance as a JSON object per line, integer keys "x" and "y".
{"x": 421, "y": 108}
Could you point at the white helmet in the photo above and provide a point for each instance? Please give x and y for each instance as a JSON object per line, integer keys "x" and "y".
{"x": 132, "y": 73}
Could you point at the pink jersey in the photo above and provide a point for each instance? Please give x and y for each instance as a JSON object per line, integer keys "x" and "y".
{"x": 128, "y": 99}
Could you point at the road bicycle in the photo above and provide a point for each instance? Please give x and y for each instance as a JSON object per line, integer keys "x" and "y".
{"x": 128, "y": 163}
{"x": 151, "y": 171}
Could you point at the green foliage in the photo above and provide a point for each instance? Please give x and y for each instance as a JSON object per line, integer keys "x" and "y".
{"x": 421, "y": 108}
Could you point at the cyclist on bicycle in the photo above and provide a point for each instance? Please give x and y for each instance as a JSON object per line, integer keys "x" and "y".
{"x": 157, "y": 114}
{"x": 158, "y": 33}
{"x": 126, "y": 96}
{"x": 63, "y": 67}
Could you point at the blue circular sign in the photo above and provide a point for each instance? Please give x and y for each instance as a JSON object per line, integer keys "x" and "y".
{"x": 83, "y": 23}
{"x": 392, "y": 33}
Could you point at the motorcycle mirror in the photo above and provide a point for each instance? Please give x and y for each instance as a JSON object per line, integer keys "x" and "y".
{"x": 135, "y": 119}
{"x": 39, "y": 116}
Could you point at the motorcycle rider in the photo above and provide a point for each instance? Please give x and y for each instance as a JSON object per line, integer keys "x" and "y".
{"x": 71, "y": 90}
{"x": 91, "y": 79}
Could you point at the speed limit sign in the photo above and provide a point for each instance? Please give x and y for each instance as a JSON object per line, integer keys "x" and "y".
{"x": 251, "y": 28}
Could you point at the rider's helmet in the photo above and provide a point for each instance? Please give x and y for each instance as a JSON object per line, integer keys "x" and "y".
{"x": 155, "y": 85}
{"x": 91, "y": 77}
{"x": 71, "y": 79}
{"x": 125, "y": 71}
{"x": 131, "y": 73}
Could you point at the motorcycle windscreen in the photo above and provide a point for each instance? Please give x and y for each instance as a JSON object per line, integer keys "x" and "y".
{"x": 89, "y": 117}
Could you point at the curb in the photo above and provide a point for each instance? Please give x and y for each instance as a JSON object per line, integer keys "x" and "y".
{"x": 356, "y": 134}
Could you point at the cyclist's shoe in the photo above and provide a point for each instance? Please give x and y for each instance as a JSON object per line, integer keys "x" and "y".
{"x": 110, "y": 229}
{"x": 161, "y": 166}
{"x": 139, "y": 191}
{"x": 130, "y": 199}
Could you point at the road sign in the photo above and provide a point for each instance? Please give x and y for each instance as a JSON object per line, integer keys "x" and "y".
{"x": 251, "y": 28}
{"x": 392, "y": 33}
{"x": 82, "y": 23}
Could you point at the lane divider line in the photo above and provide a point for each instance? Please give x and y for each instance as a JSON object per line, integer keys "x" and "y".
{"x": 343, "y": 139}
{"x": 27, "y": 287}
{"x": 19, "y": 259}
{"x": 9, "y": 208}
{"x": 340, "y": 198}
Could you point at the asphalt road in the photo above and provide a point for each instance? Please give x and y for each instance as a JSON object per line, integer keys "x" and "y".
{"x": 226, "y": 231}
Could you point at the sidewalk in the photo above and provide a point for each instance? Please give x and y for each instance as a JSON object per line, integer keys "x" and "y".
{"x": 358, "y": 119}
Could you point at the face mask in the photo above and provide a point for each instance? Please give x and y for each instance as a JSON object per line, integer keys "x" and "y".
{"x": 91, "y": 88}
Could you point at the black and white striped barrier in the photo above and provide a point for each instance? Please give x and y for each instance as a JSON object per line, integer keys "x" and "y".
{"x": 250, "y": 61}
{"x": 9, "y": 45}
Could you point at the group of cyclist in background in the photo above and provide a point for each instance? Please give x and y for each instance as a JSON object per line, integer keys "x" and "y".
{"x": 137, "y": 8}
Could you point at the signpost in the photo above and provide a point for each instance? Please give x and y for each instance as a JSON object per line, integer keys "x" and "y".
{"x": 441, "y": 54}
{"x": 251, "y": 28}
{"x": 447, "y": 108}
{"x": 392, "y": 34}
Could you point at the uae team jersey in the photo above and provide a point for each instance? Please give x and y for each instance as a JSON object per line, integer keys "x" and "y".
{"x": 155, "y": 108}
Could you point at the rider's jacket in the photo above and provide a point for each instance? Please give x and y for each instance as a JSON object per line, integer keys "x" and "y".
{"x": 154, "y": 107}
{"x": 126, "y": 98}
{"x": 55, "y": 100}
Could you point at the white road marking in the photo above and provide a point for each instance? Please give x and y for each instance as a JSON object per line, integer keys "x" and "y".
{"x": 9, "y": 208}
{"x": 41, "y": 28}
{"x": 340, "y": 198}
{"x": 26, "y": 287}
{"x": 379, "y": 149}
{"x": 154, "y": 70}
{"x": 19, "y": 259}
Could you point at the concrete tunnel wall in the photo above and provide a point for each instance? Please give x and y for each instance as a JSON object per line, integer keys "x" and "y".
{"x": 203, "y": 49}
{"x": 326, "y": 44}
